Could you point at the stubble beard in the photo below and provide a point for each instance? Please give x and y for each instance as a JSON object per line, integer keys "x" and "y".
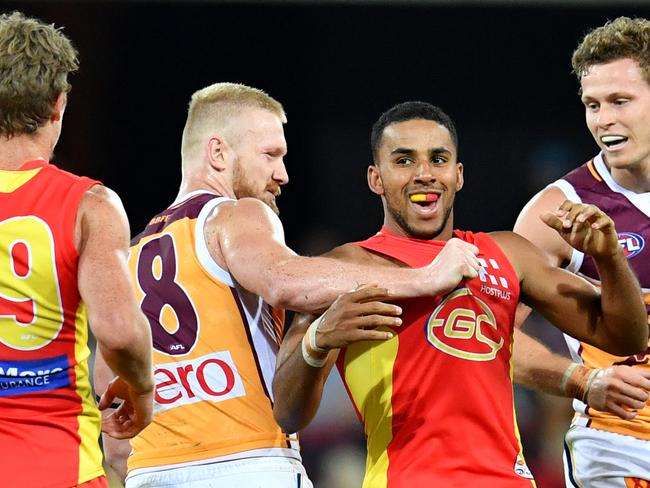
{"x": 243, "y": 187}
{"x": 402, "y": 221}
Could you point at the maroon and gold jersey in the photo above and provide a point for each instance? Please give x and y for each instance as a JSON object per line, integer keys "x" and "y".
{"x": 214, "y": 344}
{"x": 49, "y": 423}
{"x": 436, "y": 400}
{"x": 592, "y": 183}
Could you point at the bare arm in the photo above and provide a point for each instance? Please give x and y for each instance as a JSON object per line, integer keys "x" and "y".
{"x": 620, "y": 390}
{"x": 122, "y": 332}
{"x": 297, "y": 386}
{"x": 537, "y": 367}
{"x": 116, "y": 451}
{"x": 612, "y": 319}
{"x": 616, "y": 389}
{"x": 247, "y": 238}
{"x": 353, "y": 317}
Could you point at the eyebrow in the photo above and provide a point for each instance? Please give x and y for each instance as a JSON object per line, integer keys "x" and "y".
{"x": 432, "y": 151}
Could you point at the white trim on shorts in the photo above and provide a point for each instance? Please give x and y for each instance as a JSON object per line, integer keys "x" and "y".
{"x": 256, "y": 472}
{"x": 599, "y": 459}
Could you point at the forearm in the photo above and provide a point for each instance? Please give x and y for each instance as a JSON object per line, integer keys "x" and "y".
{"x": 116, "y": 452}
{"x": 129, "y": 355}
{"x": 536, "y": 367}
{"x": 298, "y": 388}
{"x": 312, "y": 284}
{"x": 623, "y": 317}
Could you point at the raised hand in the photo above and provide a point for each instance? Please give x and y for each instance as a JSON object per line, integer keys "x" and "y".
{"x": 455, "y": 263}
{"x": 621, "y": 390}
{"x": 356, "y": 316}
{"x": 585, "y": 228}
{"x": 133, "y": 415}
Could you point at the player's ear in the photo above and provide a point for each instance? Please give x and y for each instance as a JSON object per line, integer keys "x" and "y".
{"x": 460, "y": 179}
{"x": 216, "y": 152}
{"x": 374, "y": 180}
{"x": 59, "y": 106}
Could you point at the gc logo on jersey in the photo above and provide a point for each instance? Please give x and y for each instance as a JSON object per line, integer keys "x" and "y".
{"x": 632, "y": 243}
{"x": 464, "y": 326}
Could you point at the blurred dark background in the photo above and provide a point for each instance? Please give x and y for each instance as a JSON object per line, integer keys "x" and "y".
{"x": 501, "y": 70}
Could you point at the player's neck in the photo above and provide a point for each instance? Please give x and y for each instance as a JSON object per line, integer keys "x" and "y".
{"x": 191, "y": 184}
{"x": 18, "y": 150}
{"x": 635, "y": 179}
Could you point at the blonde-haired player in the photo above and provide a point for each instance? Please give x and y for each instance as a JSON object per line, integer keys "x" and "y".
{"x": 213, "y": 275}
{"x": 608, "y": 444}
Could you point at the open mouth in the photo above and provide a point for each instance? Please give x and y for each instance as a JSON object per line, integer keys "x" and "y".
{"x": 426, "y": 202}
{"x": 613, "y": 142}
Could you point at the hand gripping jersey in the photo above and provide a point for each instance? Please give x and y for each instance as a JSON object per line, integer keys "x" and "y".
{"x": 592, "y": 183}
{"x": 436, "y": 400}
{"x": 49, "y": 423}
{"x": 214, "y": 349}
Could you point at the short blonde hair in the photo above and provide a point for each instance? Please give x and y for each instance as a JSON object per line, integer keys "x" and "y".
{"x": 35, "y": 60}
{"x": 617, "y": 39}
{"x": 213, "y": 107}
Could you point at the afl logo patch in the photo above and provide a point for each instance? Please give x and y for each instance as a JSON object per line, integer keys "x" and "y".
{"x": 632, "y": 243}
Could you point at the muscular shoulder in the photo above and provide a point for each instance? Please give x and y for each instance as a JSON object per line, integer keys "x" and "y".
{"x": 100, "y": 211}
{"x": 520, "y": 251}
{"x": 350, "y": 253}
{"x": 530, "y": 225}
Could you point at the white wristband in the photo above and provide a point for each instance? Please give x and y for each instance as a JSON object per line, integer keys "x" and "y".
{"x": 313, "y": 328}
{"x": 312, "y": 361}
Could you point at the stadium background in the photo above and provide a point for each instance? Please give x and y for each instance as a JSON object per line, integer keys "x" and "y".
{"x": 500, "y": 69}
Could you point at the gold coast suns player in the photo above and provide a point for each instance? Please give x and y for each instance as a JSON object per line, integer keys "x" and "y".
{"x": 63, "y": 244}
{"x": 608, "y": 444}
{"x": 213, "y": 275}
{"x": 433, "y": 386}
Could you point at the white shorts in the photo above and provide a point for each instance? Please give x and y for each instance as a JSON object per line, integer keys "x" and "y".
{"x": 268, "y": 472}
{"x": 599, "y": 459}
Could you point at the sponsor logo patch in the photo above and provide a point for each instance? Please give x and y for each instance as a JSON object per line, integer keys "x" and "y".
{"x": 20, "y": 377}
{"x": 521, "y": 469}
{"x": 213, "y": 377}
{"x": 632, "y": 243}
{"x": 493, "y": 283}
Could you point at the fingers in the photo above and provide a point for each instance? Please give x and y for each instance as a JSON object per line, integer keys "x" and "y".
{"x": 107, "y": 398}
{"x": 620, "y": 411}
{"x": 372, "y": 335}
{"x": 374, "y": 321}
{"x": 123, "y": 423}
{"x": 376, "y": 308}
{"x": 366, "y": 293}
{"x": 571, "y": 215}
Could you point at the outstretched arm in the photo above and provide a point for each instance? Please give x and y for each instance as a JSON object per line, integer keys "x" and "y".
{"x": 621, "y": 390}
{"x": 311, "y": 347}
{"x": 612, "y": 318}
{"x": 247, "y": 238}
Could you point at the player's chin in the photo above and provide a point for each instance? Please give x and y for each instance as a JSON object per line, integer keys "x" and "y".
{"x": 425, "y": 230}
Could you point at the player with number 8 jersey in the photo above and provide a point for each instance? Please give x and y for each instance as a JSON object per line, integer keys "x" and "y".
{"x": 214, "y": 349}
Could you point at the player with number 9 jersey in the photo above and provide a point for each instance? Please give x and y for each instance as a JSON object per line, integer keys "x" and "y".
{"x": 214, "y": 349}
{"x": 49, "y": 422}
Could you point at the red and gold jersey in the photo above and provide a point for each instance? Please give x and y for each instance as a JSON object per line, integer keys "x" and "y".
{"x": 592, "y": 183}
{"x": 214, "y": 349}
{"x": 49, "y": 423}
{"x": 436, "y": 400}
